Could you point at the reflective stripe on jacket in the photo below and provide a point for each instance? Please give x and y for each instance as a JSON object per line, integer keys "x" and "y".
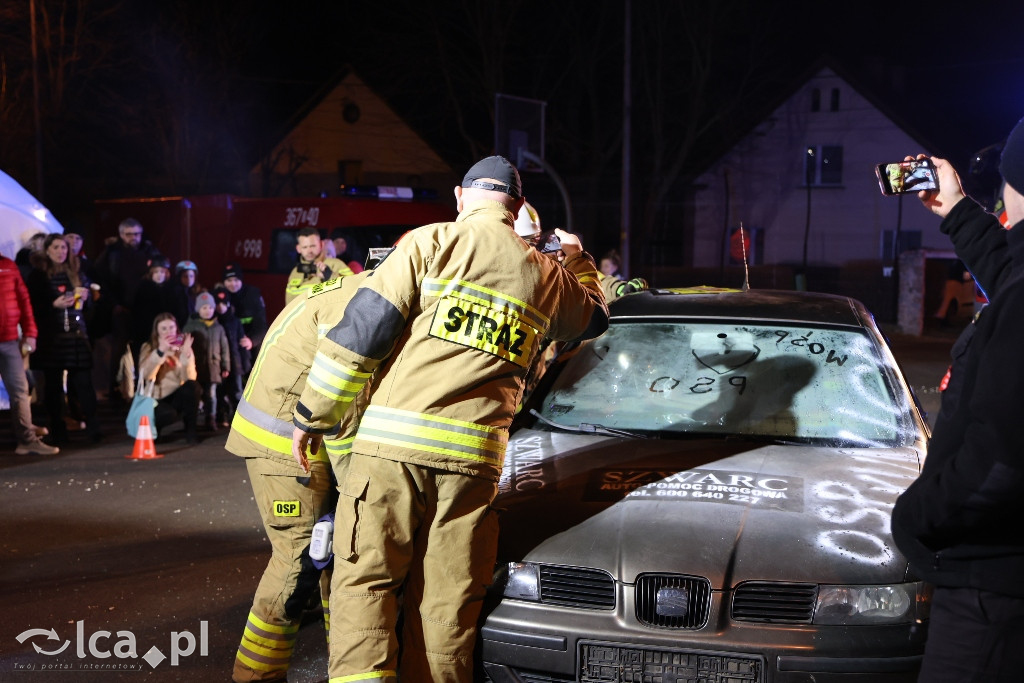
{"x": 299, "y": 283}
{"x": 262, "y": 426}
{"x": 452, "y": 318}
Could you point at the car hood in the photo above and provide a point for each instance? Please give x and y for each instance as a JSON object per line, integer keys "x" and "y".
{"x": 729, "y": 511}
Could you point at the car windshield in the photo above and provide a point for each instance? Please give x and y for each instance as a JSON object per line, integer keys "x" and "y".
{"x": 801, "y": 383}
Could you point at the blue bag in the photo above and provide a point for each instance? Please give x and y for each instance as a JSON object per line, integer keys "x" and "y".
{"x": 143, "y": 404}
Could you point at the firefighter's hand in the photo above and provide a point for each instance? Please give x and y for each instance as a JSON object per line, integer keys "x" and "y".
{"x": 941, "y": 201}
{"x": 302, "y": 440}
{"x": 570, "y": 243}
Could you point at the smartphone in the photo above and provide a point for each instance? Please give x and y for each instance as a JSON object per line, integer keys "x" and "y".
{"x": 178, "y": 340}
{"x": 549, "y": 243}
{"x": 906, "y": 176}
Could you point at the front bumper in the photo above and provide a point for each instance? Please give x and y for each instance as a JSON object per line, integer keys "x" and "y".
{"x": 531, "y": 642}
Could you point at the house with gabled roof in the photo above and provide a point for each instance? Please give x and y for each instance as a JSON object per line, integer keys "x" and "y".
{"x": 803, "y": 183}
{"x": 347, "y": 135}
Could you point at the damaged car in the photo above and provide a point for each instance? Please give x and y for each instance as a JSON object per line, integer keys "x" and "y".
{"x": 703, "y": 494}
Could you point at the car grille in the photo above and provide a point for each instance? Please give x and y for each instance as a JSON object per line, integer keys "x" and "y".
{"x": 601, "y": 663}
{"x": 576, "y": 587}
{"x": 698, "y": 591}
{"x": 791, "y": 603}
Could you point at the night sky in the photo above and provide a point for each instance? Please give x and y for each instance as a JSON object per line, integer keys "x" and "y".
{"x": 186, "y": 95}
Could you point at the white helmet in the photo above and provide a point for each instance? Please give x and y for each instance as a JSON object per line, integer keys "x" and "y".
{"x": 527, "y": 222}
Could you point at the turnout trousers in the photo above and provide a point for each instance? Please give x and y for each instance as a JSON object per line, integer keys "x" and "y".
{"x": 428, "y": 533}
{"x": 290, "y": 505}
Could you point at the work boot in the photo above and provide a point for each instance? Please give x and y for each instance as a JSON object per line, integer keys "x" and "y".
{"x": 35, "y": 448}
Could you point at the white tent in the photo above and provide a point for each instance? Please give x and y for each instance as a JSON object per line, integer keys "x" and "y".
{"x": 21, "y": 215}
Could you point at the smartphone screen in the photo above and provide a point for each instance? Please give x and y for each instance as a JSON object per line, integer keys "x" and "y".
{"x": 906, "y": 176}
{"x": 548, "y": 242}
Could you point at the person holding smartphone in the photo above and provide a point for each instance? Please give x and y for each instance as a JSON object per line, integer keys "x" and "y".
{"x": 958, "y": 523}
{"x": 59, "y": 293}
{"x": 168, "y": 361}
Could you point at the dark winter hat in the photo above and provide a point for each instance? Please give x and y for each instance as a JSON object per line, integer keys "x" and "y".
{"x": 1012, "y": 164}
{"x": 496, "y": 168}
{"x": 159, "y": 261}
{"x": 205, "y": 299}
{"x": 232, "y": 270}
{"x": 221, "y": 295}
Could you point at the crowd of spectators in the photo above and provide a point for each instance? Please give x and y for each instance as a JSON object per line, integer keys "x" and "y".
{"x": 127, "y": 313}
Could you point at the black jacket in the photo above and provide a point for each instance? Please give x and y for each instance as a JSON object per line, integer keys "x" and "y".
{"x": 252, "y": 312}
{"x": 63, "y": 340}
{"x": 959, "y": 523}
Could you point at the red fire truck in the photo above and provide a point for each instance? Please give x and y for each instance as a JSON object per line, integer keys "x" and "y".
{"x": 259, "y": 234}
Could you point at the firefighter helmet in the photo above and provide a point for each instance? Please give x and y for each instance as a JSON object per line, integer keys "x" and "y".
{"x": 527, "y": 222}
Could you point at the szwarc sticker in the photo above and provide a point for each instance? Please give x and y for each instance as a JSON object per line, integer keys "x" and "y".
{"x": 713, "y": 486}
{"x": 480, "y": 327}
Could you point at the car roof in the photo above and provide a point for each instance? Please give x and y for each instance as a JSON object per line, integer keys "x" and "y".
{"x": 753, "y": 305}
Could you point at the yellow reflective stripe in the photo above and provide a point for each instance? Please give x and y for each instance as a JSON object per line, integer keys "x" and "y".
{"x": 272, "y": 628}
{"x": 295, "y": 287}
{"x": 275, "y": 442}
{"x": 269, "y": 342}
{"x": 276, "y": 649}
{"x": 483, "y": 295}
{"x": 339, "y": 446}
{"x": 587, "y": 278}
{"x": 257, "y": 665}
{"x": 368, "y": 676}
{"x": 434, "y": 434}
{"x": 334, "y": 380}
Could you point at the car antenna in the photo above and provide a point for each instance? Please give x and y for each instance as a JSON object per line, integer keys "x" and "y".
{"x": 746, "y": 266}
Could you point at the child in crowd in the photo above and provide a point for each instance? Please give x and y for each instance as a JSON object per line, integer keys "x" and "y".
{"x": 152, "y": 298}
{"x": 184, "y": 290}
{"x": 240, "y": 347}
{"x": 213, "y": 358}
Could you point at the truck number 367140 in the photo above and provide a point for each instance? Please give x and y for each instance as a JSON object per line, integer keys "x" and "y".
{"x": 249, "y": 248}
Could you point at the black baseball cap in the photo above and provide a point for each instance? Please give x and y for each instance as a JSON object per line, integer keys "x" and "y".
{"x": 495, "y": 168}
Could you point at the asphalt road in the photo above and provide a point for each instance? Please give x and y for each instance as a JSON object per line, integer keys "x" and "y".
{"x": 102, "y": 551}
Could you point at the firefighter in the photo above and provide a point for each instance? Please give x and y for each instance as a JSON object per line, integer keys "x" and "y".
{"x": 314, "y": 265}
{"x": 290, "y": 500}
{"x": 449, "y": 323}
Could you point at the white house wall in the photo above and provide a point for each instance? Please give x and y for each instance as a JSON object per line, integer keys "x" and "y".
{"x": 767, "y": 188}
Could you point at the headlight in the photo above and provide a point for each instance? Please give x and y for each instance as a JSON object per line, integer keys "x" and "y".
{"x": 523, "y": 581}
{"x": 900, "y": 603}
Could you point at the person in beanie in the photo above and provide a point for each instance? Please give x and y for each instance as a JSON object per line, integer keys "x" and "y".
{"x": 213, "y": 357}
{"x": 239, "y": 346}
{"x": 443, "y": 332}
{"x": 249, "y": 307}
{"x": 959, "y": 522}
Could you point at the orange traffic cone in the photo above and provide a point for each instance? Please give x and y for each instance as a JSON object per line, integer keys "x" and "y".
{"x": 144, "y": 449}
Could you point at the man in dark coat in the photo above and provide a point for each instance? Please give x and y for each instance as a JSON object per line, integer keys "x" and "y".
{"x": 959, "y": 522}
{"x": 119, "y": 271}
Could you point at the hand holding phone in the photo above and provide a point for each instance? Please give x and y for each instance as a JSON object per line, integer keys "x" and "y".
{"x": 899, "y": 177}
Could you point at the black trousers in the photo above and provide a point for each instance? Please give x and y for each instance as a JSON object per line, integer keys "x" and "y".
{"x": 974, "y": 636}
{"x": 79, "y": 383}
{"x": 181, "y": 405}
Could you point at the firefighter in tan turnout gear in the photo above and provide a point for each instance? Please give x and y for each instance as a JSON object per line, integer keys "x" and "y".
{"x": 314, "y": 265}
{"x": 290, "y": 500}
{"x": 448, "y": 324}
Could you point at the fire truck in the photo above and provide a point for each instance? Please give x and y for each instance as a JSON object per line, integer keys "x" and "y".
{"x": 260, "y": 234}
